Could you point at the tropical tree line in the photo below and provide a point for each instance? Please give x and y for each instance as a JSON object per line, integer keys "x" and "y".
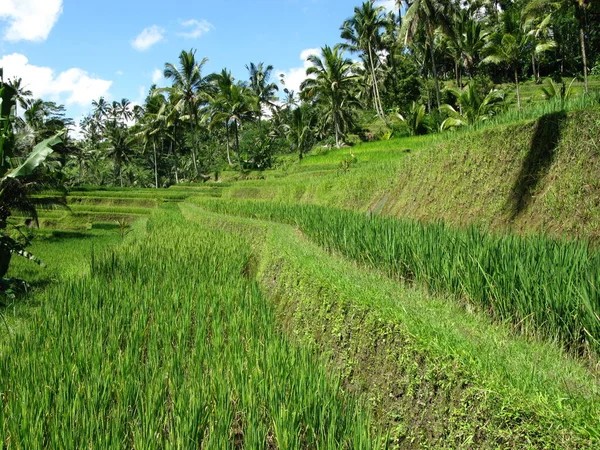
{"x": 429, "y": 64}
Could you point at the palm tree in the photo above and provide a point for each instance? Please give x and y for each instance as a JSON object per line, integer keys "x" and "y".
{"x": 190, "y": 89}
{"x": 466, "y": 43}
{"x": 511, "y": 48}
{"x": 152, "y": 127}
{"x": 541, "y": 7}
{"x": 331, "y": 84}
{"x": 101, "y": 108}
{"x": 123, "y": 110}
{"x": 362, "y": 33}
{"x": 262, "y": 88}
{"x": 232, "y": 105}
{"x": 300, "y": 131}
{"x": 21, "y": 93}
{"x": 428, "y": 15}
{"x": 112, "y": 120}
{"x": 118, "y": 150}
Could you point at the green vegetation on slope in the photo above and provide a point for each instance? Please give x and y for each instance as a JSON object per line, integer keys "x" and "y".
{"x": 539, "y": 284}
{"x": 434, "y": 374}
{"x": 537, "y": 176}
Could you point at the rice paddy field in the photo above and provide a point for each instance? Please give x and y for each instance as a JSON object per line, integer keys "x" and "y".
{"x": 289, "y": 311}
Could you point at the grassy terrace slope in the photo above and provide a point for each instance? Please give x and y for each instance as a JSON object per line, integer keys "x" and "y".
{"x": 533, "y": 176}
{"x": 434, "y": 374}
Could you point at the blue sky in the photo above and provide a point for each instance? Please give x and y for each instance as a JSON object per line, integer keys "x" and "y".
{"x": 74, "y": 51}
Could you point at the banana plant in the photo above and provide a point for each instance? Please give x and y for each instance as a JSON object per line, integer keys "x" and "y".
{"x": 414, "y": 118}
{"x": 14, "y": 186}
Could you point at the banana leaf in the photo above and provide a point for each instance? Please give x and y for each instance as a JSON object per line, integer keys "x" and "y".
{"x": 36, "y": 157}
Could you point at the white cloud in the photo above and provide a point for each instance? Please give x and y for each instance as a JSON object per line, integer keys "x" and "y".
{"x": 196, "y": 28}
{"x": 29, "y": 20}
{"x": 389, "y": 5}
{"x": 295, "y": 76}
{"x": 157, "y": 75}
{"x": 142, "y": 93}
{"x": 148, "y": 37}
{"x": 73, "y": 86}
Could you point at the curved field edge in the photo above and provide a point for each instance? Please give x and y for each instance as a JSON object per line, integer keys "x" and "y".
{"x": 545, "y": 287}
{"x": 434, "y": 374}
{"x": 535, "y": 176}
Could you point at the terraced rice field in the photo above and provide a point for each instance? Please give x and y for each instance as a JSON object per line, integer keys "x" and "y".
{"x": 179, "y": 319}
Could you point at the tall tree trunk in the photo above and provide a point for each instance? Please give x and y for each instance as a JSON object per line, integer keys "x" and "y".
{"x": 173, "y": 151}
{"x": 337, "y": 130}
{"x": 194, "y": 152}
{"x": 457, "y": 74}
{"x": 237, "y": 144}
{"x": 583, "y": 54}
{"x": 435, "y": 76}
{"x": 378, "y": 106}
{"x": 428, "y": 95}
{"x": 227, "y": 144}
{"x": 195, "y": 145}
{"x": 533, "y": 66}
{"x": 517, "y": 84}
{"x": 155, "y": 167}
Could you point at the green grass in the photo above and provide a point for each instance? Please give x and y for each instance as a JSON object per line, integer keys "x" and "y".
{"x": 166, "y": 343}
{"x": 541, "y": 285}
{"x": 436, "y": 374}
{"x": 101, "y": 209}
{"x": 113, "y": 201}
{"x": 64, "y": 253}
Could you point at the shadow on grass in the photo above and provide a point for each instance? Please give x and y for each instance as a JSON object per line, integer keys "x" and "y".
{"x": 536, "y": 164}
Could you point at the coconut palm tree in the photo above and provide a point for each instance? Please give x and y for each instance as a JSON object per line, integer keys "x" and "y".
{"x": 21, "y": 93}
{"x": 231, "y": 105}
{"x": 511, "y": 49}
{"x": 263, "y": 89}
{"x": 540, "y": 8}
{"x": 362, "y": 33}
{"x": 465, "y": 43}
{"x": 112, "y": 122}
{"x": 153, "y": 125}
{"x": 101, "y": 107}
{"x": 331, "y": 84}
{"x": 191, "y": 89}
{"x": 122, "y": 110}
{"x": 426, "y": 15}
